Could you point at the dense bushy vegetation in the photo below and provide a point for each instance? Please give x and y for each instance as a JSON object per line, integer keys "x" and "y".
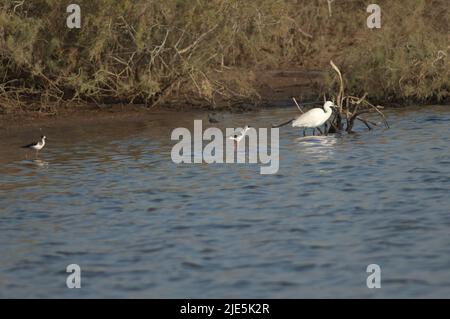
{"x": 206, "y": 51}
{"x": 409, "y": 60}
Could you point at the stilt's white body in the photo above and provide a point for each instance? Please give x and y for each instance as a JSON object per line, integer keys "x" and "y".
{"x": 314, "y": 117}
{"x": 238, "y": 137}
{"x": 36, "y": 146}
{"x": 39, "y": 145}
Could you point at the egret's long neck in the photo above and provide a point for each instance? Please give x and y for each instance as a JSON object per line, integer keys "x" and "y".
{"x": 328, "y": 112}
{"x": 42, "y": 141}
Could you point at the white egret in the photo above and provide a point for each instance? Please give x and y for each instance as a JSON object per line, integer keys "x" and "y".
{"x": 314, "y": 117}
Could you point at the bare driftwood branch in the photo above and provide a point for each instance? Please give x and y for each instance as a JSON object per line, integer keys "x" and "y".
{"x": 350, "y": 108}
{"x": 298, "y": 106}
{"x": 340, "y": 97}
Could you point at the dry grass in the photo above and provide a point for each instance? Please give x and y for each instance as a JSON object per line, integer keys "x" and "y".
{"x": 206, "y": 51}
{"x": 408, "y": 60}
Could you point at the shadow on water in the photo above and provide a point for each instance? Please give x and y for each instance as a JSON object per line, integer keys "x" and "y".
{"x": 109, "y": 198}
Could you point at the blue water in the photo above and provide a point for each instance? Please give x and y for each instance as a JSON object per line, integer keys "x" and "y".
{"x": 111, "y": 200}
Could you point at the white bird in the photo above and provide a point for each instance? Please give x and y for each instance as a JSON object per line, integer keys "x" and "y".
{"x": 238, "y": 137}
{"x": 37, "y": 146}
{"x": 314, "y": 117}
{"x": 311, "y": 119}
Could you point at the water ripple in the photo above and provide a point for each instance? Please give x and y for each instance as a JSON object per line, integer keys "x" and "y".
{"x": 141, "y": 226}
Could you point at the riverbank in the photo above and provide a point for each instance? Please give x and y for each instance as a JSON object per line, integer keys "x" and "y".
{"x": 220, "y": 54}
{"x": 275, "y": 88}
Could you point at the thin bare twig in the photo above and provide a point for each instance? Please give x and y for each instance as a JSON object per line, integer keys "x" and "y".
{"x": 298, "y": 106}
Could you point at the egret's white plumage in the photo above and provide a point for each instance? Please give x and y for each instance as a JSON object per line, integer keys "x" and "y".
{"x": 314, "y": 117}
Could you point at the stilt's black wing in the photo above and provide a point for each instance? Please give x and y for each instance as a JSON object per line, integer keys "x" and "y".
{"x": 29, "y": 145}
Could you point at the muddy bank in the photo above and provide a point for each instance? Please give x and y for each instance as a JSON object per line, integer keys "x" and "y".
{"x": 274, "y": 88}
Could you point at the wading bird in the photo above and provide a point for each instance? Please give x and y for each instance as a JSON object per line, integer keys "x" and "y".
{"x": 37, "y": 146}
{"x": 313, "y": 118}
{"x": 213, "y": 118}
{"x": 238, "y": 137}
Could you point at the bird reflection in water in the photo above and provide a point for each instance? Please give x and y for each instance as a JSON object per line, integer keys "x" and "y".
{"x": 39, "y": 163}
{"x": 317, "y": 147}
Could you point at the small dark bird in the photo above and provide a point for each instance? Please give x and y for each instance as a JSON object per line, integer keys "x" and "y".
{"x": 212, "y": 118}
